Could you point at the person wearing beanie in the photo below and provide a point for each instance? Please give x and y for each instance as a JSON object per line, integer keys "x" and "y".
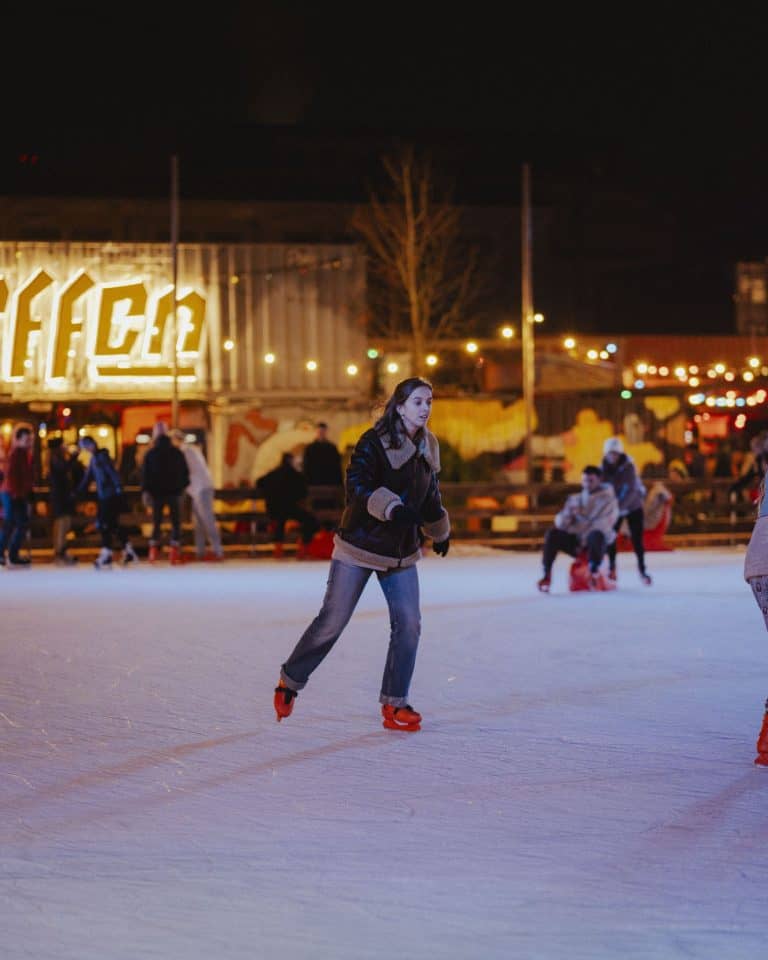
{"x": 619, "y": 470}
{"x": 201, "y": 494}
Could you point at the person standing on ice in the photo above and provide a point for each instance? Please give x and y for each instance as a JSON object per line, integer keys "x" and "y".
{"x": 201, "y": 494}
{"x": 16, "y": 495}
{"x": 756, "y": 575}
{"x": 586, "y": 522}
{"x": 164, "y": 476}
{"x": 620, "y": 471}
{"x": 101, "y": 471}
{"x": 392, "y": 495}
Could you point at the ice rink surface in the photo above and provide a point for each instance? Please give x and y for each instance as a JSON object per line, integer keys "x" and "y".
{"x": 583, "y": 785}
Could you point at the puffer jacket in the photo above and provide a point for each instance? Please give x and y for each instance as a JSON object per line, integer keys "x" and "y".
{"x": 164, "y": 471}
{"x": 102, "y": 472}
{"x": 379, "y": 478}
{"x": 584, "y": 512}
{"x": 623, "y": 477}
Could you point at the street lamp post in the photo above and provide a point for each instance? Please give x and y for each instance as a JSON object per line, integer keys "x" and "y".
{"x": 527, "y": 322}
{"x": 175, "y": 271}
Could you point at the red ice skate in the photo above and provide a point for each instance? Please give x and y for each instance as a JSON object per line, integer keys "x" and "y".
{"x": 545, "y": 583}
{"x": 154, "y": 553}
{"x": 401, "y": 718}
{"x": 284, "y": 698}
{"x": 174, "y": 554}
{"x": 762, "y": 744}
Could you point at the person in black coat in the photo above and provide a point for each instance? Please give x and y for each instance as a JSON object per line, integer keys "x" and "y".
{"x": 285, "y": 492}
{"x": 322, "y": 468}
{"x": 164, "y": 477}
{"x": 61, "y": 486}
{"x": 322, "y": 460}
{"x": 392, "y": 503}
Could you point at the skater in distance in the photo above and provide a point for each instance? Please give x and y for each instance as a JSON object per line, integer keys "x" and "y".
{"x": 392, "y": 502}
{"x": 620, "y": 471}
{"x": 586, "y": 522}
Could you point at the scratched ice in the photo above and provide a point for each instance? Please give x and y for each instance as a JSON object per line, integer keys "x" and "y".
{"x": 583, "y": 786}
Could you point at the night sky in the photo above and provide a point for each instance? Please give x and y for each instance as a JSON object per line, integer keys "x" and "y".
{"x": 645, "y": 108}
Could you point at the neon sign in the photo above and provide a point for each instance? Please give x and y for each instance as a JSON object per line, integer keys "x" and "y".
{"x": 127, "y": 330}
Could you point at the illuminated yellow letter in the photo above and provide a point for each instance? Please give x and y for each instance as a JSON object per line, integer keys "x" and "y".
{"x": 64, "y": 323}
{"x": 21, "y": 324}
{"x": 136, "y": 295}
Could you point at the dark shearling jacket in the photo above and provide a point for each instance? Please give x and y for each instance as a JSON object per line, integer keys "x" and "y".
{"x": 379, "y": 478}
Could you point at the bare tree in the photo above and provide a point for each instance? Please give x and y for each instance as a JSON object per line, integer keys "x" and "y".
{"x": 423, "y": 277}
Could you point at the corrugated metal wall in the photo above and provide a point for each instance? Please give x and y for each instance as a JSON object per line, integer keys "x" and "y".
{"x": 299, "y": 303}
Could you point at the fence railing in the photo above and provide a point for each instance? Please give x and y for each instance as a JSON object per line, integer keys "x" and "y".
{"x": 510, "y": 516}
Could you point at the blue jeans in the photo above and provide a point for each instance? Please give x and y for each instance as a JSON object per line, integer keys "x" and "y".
{"x": 345, "y": 586}
{"x": 15, "y": 524}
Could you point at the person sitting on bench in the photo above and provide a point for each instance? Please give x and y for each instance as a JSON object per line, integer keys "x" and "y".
{"x": 585, "y": 523}
{"x": 285, "y": 492}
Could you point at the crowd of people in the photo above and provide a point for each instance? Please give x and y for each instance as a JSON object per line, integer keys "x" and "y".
{"x": 172, "y": 474}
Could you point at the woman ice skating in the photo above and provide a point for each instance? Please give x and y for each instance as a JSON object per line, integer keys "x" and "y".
{"x": 392, "y": 495}
{"x": 756, "y": 575}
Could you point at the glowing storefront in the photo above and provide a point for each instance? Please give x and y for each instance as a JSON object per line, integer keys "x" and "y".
{"x": 268, "y": 338}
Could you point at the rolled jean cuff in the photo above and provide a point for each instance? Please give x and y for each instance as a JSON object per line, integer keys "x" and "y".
{"x": 290, "y": 682}
{"x": 394, "y": 701}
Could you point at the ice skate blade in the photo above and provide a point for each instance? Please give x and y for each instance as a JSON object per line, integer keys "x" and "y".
{"x": 407, "y": 727}
{"x": 762, "y": 759}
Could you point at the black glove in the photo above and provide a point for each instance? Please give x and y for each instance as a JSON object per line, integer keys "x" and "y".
{"x": 441, "y": 546}
{"x": 403, "y": 516}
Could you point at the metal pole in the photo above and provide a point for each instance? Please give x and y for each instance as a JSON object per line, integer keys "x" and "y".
{"x": 528, "y": 352}
{"x": 175, "y": 267}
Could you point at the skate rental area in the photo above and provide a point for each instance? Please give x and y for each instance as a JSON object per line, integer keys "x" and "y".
{"x": 582, "y": 785}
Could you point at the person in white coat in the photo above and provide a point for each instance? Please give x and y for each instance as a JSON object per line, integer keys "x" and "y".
{"x": 200, "y": 492}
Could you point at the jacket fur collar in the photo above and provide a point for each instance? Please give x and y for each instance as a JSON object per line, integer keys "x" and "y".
{"x": 427, "y": 446}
